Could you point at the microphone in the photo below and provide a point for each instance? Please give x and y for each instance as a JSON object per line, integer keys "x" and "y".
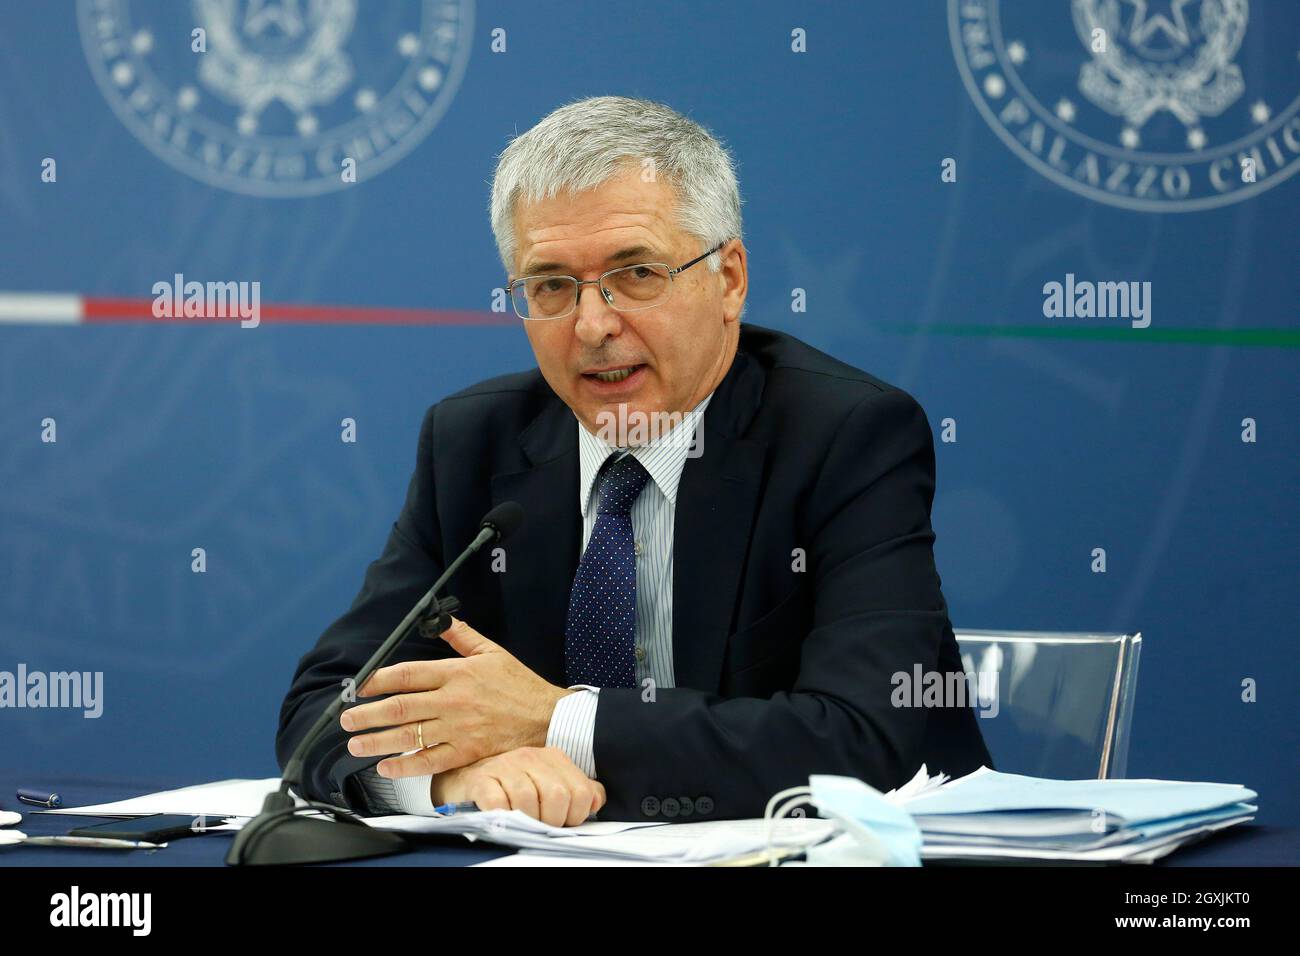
{"x": 278, "y": 835}
{"x": 505, "y": 518}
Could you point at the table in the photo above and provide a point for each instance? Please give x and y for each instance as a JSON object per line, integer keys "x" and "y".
{"x": 1249, "y": 845}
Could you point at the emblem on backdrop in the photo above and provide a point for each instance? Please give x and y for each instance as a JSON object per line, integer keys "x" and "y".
{"x": 272, "y": 97}
{"x": 1155, "y": 105}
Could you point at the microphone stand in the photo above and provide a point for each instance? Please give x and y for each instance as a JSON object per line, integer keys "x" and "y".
{"x": 278, "y": 835}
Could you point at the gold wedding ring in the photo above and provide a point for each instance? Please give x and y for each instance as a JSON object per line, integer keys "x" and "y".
{"x": 419, "y": 733}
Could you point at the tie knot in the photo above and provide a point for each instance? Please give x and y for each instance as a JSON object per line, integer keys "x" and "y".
{"x": 622, "y": 482}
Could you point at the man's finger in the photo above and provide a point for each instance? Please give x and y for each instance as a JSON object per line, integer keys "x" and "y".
{"x": 392, "y": 711}
{"x": 519, "y": 787}
{"x": 555, "y": 794}
{"x": 466, "y": 641}
{"x": 407, "y": 677}
{"x": 487, "y": 793}
{"x": 437, "y": 759}
{"x": 397, "y": 740}
{"x": 587, "y": 795}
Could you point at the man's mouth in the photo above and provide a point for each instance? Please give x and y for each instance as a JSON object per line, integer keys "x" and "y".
{"x": 612, "y": 375}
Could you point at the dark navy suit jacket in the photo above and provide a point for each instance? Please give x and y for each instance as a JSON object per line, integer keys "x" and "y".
{"x": 803, "y": 580}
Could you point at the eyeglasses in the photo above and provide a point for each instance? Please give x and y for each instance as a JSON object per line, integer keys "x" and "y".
{"x": 627, "y": 289}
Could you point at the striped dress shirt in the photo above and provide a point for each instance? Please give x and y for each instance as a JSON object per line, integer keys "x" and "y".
{"x": 573, "y": 722}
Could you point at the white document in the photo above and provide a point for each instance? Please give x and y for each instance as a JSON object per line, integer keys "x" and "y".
{"x": 1131, "y": 801}
{"x": 996, "y": 816}
{"x": 225, "y": 798}
{"x": 919, "y": 784}
{"x": 487, "y": 823}
{"x": 703, "y": 842}
{"x": 537, "y": 858}
{"x": 1139, "y": 851}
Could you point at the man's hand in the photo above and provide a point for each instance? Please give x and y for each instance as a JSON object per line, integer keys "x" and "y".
{"x": 541, "y": 781}
{"x": 483, "y": 703}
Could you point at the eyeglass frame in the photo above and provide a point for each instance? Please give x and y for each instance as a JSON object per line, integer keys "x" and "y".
{"x": 577, "y": 297}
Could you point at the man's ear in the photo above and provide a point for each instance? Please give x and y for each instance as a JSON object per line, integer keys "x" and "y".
{"x": 734, "y": 275}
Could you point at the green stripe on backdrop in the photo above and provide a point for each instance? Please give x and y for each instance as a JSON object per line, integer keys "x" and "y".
{"x": 1265, "y": 338}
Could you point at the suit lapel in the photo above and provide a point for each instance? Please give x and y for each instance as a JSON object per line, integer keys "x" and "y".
{"x": 714, "y": 517}
{"x": 542, "y": 554}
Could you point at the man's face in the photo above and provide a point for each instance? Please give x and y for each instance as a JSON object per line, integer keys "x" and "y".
{"x": 680, "y": 349}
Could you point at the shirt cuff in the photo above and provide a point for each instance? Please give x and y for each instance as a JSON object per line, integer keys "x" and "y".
{"x": 399, "y": 795}
{"x": 573, "y": 726}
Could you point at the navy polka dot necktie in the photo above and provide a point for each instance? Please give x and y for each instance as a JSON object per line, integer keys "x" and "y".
{"x": 600, "y": 636}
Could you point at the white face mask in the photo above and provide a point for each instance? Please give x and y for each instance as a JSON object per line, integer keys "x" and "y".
{"x": 877, "y": 832}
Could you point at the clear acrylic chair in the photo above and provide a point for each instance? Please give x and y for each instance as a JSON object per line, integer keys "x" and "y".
{"x": 1054, "y": 704}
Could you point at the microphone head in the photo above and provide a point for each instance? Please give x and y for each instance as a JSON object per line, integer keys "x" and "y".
{"x": 503, "y": 519}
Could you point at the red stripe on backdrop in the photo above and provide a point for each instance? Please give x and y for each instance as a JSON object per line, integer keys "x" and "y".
{"x": 141, "y": 310}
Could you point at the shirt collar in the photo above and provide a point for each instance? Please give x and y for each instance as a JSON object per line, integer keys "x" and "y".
{"x": 664, "y": 457}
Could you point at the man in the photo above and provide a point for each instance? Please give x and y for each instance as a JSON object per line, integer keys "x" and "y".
{"x": 678, "y": 629}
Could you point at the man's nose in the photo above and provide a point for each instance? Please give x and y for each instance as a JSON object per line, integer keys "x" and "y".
{"x": 595, "y": 318}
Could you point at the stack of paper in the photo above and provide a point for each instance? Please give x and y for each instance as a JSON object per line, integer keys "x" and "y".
{"x": 237, "y": 801}
{"x": 705, "y": 842}
{"x": 983, "y": 816}
{"x": 989, "y": 815}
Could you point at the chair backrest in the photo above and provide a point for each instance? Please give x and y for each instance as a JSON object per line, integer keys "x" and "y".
{"x": 1054, "y": 704}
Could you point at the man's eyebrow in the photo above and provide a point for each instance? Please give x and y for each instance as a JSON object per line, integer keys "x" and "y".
{"x": 539, "y": 268}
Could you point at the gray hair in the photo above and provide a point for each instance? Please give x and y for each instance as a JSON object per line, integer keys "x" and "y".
{"x": 583, "y": 144}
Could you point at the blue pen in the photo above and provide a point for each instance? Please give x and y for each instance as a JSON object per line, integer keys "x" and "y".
{"x": 447, "y": 809}
{"x": 40, "y": 798}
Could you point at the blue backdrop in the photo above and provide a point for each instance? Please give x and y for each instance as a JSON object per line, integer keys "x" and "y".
{"x": 1072, "y": 434}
